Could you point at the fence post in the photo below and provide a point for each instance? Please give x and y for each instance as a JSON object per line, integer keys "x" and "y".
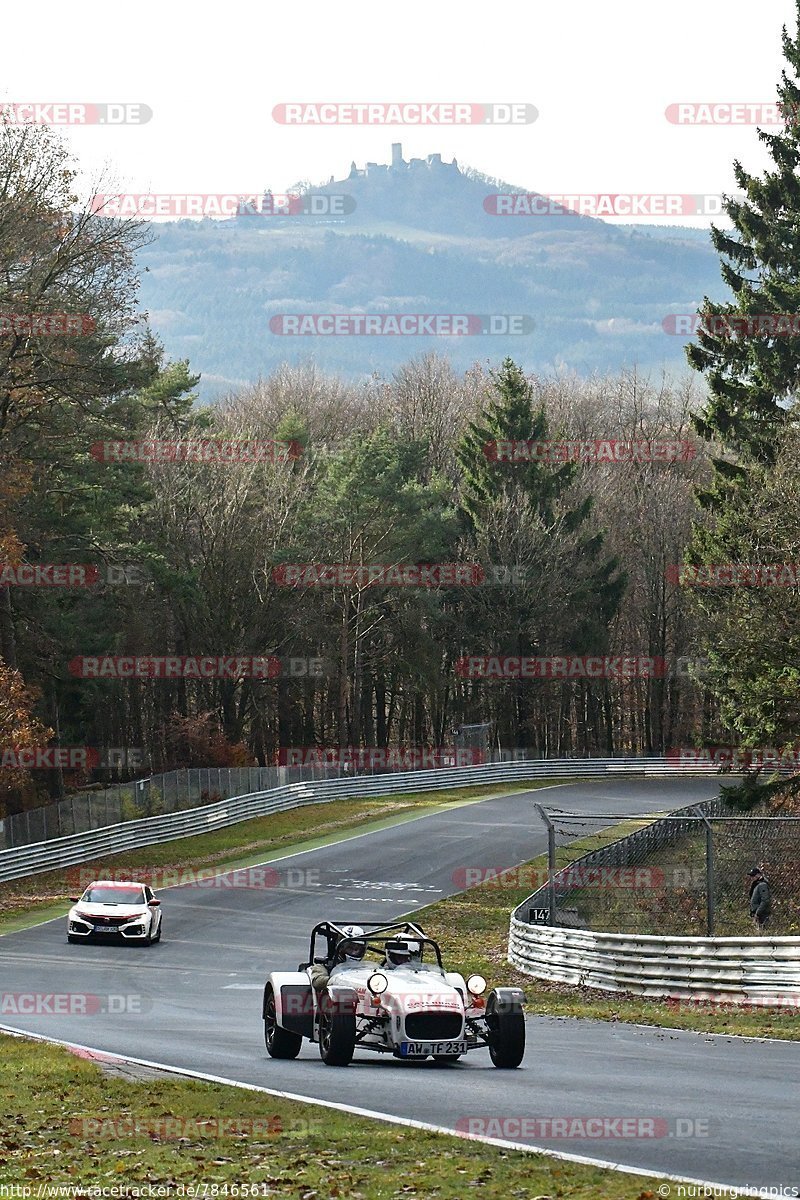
{"x": 551, "y": 865}
{"x": 710, "y": 906}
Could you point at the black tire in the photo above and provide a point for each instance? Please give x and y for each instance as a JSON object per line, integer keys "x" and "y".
{"x": 73, "y": 939}
{"x": 280, "y": 1043}
{"x": 337, "y": 1037}
{"x": 157, "y": 938}
{"x": 507, "y": 1039}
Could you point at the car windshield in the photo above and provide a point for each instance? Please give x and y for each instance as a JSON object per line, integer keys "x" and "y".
{"x": 113, "y": 895}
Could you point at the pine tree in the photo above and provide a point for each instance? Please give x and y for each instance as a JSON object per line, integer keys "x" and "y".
{"x": 752, "y": 377}
{"x": 751, "y": 409}
{"x": 526, "y": 515}
{"x": 510, "y": 416}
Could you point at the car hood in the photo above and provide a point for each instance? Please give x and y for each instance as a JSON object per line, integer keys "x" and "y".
{"x": 111, "y": 910}
{"x": 414, "y": 988}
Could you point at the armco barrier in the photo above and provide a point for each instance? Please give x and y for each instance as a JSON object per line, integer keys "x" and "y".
{"x": 148, "y": 831}
{"x": 759, "y": 969}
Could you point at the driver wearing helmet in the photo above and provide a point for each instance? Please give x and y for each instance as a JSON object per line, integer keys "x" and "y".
{"x": 398, "y": 954}
{"x": 349, "y": 954}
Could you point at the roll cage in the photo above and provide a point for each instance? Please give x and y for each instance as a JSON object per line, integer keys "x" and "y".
{"x": 375, "y": 936}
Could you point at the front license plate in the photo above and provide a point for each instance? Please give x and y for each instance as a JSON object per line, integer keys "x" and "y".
{"x": 105, "y": 929}
{"x": 413, "y": 1049}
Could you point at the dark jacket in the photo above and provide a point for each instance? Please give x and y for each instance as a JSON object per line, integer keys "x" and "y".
{"x": 760, "y": 898}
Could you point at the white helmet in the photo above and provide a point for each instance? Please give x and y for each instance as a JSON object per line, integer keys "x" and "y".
{"x": 356, "y": 950}
{"x": 398, "y": 953}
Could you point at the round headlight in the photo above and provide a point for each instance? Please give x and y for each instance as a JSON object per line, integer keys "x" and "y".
{"x": 377, "y": 983}
{"x": 476, "y": 985}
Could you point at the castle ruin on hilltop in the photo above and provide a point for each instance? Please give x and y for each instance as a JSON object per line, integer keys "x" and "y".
{"x": 398, "y": 164}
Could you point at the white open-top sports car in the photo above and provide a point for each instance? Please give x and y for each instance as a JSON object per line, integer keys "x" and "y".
{"x": 384, "y": 988}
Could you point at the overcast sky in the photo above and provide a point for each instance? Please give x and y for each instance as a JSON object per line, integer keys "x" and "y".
{"x": 600, "y": 76}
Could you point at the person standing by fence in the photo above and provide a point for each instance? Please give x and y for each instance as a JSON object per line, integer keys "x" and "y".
{"x": 760, "y": 897}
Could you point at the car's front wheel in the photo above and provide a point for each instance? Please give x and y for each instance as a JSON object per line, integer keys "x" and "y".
{"x": 507, "y": 1039}
{"x": 72, "y": 938}
{"x": 280, "y": 1043}
{"x": 337, "y": 1037}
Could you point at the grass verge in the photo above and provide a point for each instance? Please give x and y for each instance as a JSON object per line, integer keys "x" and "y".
{"x": 165, "y": 1132}
{"x": 39, "y": 897}
{"x": 472, "y": 928}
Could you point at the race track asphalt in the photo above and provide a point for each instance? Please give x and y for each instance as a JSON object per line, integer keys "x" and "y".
{"x": 194, "y": 1001}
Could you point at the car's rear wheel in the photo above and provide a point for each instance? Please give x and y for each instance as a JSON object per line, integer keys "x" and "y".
{"x": 507, "y": 1038}
{"x": 280, "y": 1043}
{"x": 337, "y": 1037}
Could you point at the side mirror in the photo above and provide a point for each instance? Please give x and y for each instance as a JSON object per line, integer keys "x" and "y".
{"x": 74, "y": 899}
{"x": 155, "y": 904}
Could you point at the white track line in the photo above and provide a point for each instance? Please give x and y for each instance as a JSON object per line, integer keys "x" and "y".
{"x": 391, "y": 1118}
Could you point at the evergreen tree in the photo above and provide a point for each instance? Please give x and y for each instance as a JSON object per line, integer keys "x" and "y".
{"x": 528, "y": 517}
{"x": 751, "y": 409}
{"x": 752, "y": 377}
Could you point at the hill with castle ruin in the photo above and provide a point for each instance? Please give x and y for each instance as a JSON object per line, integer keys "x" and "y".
{"x": 419, "y": 236}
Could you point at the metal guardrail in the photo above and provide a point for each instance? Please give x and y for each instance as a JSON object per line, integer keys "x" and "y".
{"x": 758, "y": 969}
{"x": 147, "y": 831}
{"x": 762, "y": 970}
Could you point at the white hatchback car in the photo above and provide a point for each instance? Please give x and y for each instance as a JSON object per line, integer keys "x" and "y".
{"x": 115, "y": 911}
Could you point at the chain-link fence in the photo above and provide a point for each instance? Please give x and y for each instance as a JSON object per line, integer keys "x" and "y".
{"x": 99, "y": 806}
{"x": 683, "y": 874}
